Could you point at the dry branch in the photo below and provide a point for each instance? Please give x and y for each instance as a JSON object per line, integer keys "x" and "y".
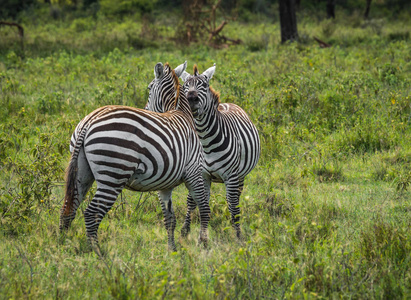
{"x": 19, "y": 27}
{"x": 321, "y": 43}
{"x": 202, "y": 22}
{"x": 21, "y": 33}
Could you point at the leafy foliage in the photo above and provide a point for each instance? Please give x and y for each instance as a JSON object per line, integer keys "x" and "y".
{"x": 30, "y": 182}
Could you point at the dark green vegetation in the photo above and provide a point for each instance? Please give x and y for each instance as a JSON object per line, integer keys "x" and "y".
{"x": 326, "y": 214}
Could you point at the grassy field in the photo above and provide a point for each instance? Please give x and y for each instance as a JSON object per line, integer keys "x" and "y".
{"x": 325, "y": 214}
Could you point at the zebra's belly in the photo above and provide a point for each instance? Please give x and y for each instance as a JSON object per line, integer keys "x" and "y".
{"x": 221, "y": 170}
{"x": 213, "y": 174}
{"x": 142, "y": 187}
{"x": 149, "y": 180}
{"x": 216, "y": 178}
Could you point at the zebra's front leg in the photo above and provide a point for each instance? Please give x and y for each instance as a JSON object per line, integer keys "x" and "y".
{"x": 233, "y": 190}
{"x": 169, "y": 217}
{"x": 93, "y": 215}
{"x": 191, "y": 205}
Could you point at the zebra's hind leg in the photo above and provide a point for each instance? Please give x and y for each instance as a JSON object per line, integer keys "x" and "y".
{"x": 103, "y": 200}
{"x": 169, "y": 217}
{"x": 233, "y": 189}
{"x": 82, "y": 179}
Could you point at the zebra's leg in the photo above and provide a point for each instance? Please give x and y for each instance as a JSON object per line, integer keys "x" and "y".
{"x": 240, "y": 191}
{"x": 233, "y": 190}
{"x": 240, "y": 186}
{"x": 103, "y": 200}
{"x": 83, "y": 179}
{"x": 191, "y": 205}
{"x": 169, "y": 217}
{"x": 199, "y": 188}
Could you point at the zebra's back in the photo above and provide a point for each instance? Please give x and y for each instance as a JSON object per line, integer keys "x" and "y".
{"x": 145, "y": 151}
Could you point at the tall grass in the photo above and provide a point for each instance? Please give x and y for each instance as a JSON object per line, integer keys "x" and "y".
{"x": 326, "y": 213}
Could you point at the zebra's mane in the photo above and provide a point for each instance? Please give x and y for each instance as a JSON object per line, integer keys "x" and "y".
{"x": 215, "y": 96}
{"x": 180, "y": 101}
{"x": 176, "y": 83}
{"x": 195, "y": 71}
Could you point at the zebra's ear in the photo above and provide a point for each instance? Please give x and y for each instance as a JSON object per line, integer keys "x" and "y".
{"x": 185, "y": 75}
{"x": 209, "y": 72}
{"x": 180, "y": 69}
{"x": 158, "y": 70}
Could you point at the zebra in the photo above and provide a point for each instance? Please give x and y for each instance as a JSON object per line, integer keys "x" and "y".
{"x": 230, "y": 142}
{"x": 125, "y": 147}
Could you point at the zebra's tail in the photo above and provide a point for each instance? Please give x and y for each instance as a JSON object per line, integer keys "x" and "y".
{"x": 68, "y": 212}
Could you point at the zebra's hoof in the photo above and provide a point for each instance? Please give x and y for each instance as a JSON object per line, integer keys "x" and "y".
{"x": 64, "y": 226}
{"x": 97, "y": 250}
{"x": 203, "y": 242}
{"x": 185, "y": 231}
{"x": 172, "y": 248}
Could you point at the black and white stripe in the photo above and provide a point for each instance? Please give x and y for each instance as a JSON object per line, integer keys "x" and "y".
{"x": 230, "y": 141}
{"x": 124, "y": 147}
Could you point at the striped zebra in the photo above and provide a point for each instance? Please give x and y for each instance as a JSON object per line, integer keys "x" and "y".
{"x": 230, "y": 141}
{"x": 124, "y": 147}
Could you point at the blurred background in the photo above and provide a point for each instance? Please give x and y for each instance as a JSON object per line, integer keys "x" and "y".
{"x": 62, "y": 24}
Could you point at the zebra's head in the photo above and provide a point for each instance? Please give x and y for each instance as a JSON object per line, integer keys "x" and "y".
{"x": 164, "y": 89}
{"x": 200, "y": 95}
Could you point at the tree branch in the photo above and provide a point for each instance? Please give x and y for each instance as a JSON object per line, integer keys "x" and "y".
{"x": 322, "y": 44}
{"x": 19, "y": 27}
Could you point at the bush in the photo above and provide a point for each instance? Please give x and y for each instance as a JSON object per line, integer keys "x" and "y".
{"x": 11, "y": 8}
{"x": 28, "y": 189}
{"x": 126, "y": 7}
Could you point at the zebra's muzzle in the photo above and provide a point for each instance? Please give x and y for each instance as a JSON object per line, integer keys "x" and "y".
{"x": 193, "y": 100}
{"x": 195, "y": 112}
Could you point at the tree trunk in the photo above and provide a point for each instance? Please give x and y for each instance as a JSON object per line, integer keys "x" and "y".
{"x": 288, "y": 21}
{"x": 331, "y": 9}
{"x": 367, "y": 9}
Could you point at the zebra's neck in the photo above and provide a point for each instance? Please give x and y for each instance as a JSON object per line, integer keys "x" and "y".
{"x": 170, "y": 103}
{"x": 182, "y": 103}
{"x": 210, "y": 123}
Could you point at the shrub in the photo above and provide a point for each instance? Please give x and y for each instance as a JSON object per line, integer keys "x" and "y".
{"x": 124, "y": 7}
{"x": 80, "y": 25}
{"x": 258, "y": 44}
{"x": 51, "y": 104}
{"x": 399, "y": 36}
{"x": 29, "y": 188}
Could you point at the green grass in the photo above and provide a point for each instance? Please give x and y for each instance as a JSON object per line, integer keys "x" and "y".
{"x": 325, "y": 214}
